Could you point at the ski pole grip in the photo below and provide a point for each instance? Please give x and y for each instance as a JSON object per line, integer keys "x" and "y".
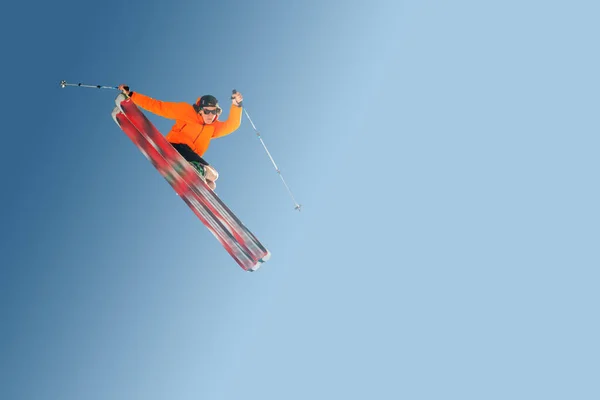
{"x": 234, "y": 92}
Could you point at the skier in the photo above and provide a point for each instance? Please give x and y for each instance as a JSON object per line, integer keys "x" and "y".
{"x": 195, "y": 125}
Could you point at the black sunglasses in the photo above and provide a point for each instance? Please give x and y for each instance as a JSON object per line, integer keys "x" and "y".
{"x": 208, "y": 112}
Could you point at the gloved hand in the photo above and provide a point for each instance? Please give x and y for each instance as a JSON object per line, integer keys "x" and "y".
{"x": 236, "y": 98}
{"x": 125, "y": 90}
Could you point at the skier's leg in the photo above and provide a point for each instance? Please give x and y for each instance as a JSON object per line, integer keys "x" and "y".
{"x": 205, "y": 170}
{"x": 211, "y": 175}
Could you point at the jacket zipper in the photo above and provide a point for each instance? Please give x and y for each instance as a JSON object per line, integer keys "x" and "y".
{"x": 198, "y": 135}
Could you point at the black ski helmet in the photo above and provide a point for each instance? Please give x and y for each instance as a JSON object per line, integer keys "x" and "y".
{"x": 208, "y": 101}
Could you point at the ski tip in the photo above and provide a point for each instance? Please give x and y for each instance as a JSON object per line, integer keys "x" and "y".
{"x": 267, "y": 257}
{"x": 116, "y": 111}
{"x": 260, "y": 262}
{"x": 120, "y": 98}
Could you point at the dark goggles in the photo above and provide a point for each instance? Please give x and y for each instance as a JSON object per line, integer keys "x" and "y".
{"x": 208, "y": 112}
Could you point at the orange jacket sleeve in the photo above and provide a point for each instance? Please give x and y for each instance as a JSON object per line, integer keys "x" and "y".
{"x": 233, "y": 121}
{"x": 170, "y": 110}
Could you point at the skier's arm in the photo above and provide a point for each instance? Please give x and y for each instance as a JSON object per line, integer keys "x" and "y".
{"x": 233, "y": 121}
{"x": 165, "y": 109}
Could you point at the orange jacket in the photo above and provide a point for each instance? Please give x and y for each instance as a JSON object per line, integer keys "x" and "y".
{"x": 189, "y": 126}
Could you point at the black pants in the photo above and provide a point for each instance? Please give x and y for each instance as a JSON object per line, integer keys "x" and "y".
{"x": 194, "y": 159}
{"x": 188, "y": 153}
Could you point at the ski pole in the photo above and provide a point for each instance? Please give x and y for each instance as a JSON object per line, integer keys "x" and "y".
{"x": 296, "y": 205}
{"x": 63, "y": 84}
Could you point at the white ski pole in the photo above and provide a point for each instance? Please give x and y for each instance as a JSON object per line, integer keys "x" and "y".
{"x": 64, "y": 84}
{"x": 296, "y": 205}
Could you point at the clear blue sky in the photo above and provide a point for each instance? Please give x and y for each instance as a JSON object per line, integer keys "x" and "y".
{"x": 445, "y": 153}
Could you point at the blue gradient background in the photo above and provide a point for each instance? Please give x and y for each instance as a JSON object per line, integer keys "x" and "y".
{"x": 445, "y": 153}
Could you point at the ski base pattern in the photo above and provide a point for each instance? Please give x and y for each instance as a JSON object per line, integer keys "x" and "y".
{"x": 239, "y": 242}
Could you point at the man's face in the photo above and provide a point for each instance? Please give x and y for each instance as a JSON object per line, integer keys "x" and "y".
{"x": 209, "y": 114}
